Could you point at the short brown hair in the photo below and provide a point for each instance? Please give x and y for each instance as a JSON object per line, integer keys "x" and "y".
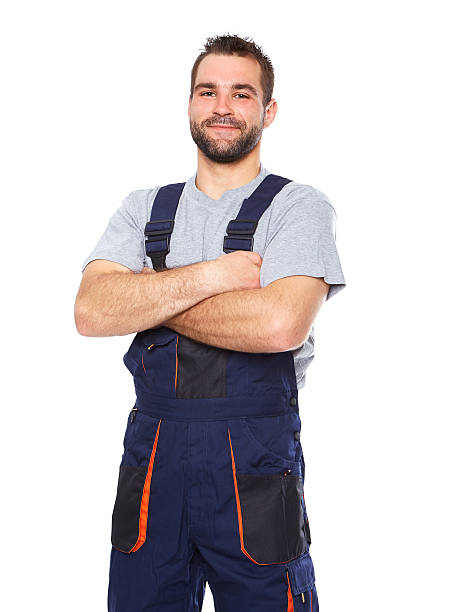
{"x": 234, "y": 45}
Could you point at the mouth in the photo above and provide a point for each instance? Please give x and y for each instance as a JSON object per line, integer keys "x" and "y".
{"x": 223, "y": 127}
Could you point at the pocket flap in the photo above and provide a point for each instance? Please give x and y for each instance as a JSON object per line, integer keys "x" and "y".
{"x": 158, "y": 336}
{"x": 301, "y": 574}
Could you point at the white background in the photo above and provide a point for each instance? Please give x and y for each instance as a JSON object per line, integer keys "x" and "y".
{"x": 373, "y": 110}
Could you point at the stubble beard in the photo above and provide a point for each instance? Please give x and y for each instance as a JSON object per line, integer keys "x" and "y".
{"x": 225, "y": 151}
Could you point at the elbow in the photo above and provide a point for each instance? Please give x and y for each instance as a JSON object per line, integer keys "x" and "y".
{"x": 92, "y": 323}
{"x": 83, "y": 321}
{"x": 284, "y": 336}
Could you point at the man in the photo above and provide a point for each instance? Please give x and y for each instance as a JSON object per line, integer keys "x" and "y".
{"x": 211, "y": 480}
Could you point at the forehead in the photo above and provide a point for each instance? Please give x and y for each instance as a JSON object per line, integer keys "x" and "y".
{"x": 225, "y": 70}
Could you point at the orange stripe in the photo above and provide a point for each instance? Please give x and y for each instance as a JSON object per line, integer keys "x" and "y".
{"x": 176, "y": 377}
{"x": 238, "y": 504}
{"x": 143, "y": 363}
{"x": 142, "y": 529}
{"x": 290, "y": 596}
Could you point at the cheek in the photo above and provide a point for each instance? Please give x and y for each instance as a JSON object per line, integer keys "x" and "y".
{"x": 200, "y": 111}
{"x": 251, "y": 114}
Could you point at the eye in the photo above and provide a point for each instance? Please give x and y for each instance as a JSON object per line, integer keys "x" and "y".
{"x": 212, "y": 92}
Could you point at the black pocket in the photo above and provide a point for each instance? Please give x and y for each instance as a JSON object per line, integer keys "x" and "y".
{"x": 201, "y": 370}
{"x": 126, "y": 513}
{"x": 269, "y": 493}
{"x": 272, "y": 517}
{"x": 130, "y": 513}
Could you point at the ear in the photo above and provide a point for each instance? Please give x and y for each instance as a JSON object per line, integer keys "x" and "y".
{"x": 270, "y": 112}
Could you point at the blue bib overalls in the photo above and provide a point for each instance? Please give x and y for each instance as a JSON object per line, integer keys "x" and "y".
{"x": 210, "y": 484}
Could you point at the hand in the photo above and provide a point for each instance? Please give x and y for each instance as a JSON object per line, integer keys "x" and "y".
{"x": 238, "y": 270}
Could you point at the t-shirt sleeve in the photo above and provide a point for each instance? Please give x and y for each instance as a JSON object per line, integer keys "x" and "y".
{"x": 123, "y": 240}
{"x": 302, "y": 240}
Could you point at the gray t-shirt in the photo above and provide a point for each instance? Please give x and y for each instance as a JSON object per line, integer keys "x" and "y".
{"x": 295, "y": 235}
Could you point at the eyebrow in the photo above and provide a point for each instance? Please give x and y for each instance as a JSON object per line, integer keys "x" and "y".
{"x": 234, "y": 87}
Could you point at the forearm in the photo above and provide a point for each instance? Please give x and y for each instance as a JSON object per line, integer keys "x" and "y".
{"x": 119, "y": 303}
{"x": 245, "y": 320}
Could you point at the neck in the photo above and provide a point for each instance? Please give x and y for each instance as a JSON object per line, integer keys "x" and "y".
{"x": 214, "y": 178}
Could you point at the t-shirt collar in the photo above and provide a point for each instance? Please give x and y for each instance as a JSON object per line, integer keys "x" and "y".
{"x": 242, "y": 192}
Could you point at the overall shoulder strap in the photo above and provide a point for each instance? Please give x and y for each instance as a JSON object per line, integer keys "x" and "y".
{"x": 240, "y": 231}
{"x": 158, "y": 230}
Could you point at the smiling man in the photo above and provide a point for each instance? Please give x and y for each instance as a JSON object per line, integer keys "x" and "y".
{"x": 222, "y": 277}
{"x": 222, "y": 135}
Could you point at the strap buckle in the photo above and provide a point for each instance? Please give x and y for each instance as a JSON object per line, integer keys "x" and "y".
{"x": 158, "y": 235}
{"x": 158, "y": 245}
{"x": 151, "y": 228}
{"x": 249, "y": 227}
{"x": 244, "y": 232}
{"x": 226, "y": 242}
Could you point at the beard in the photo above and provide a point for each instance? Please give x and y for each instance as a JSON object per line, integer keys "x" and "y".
{"x": 226, "y": 151}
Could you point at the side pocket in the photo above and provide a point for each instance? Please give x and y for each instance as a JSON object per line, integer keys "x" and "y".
{"x": 130, "y": 513}
{"x": 301, "y": 588}
{"x": 151, "y": 359}
{"x": 275, "y": 434}
{"x": 270, "y": 514}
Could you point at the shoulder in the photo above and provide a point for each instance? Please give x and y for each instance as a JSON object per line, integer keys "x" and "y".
{"x": 138, "y": 204}
{"x": 302, "y": 201}
{"x": 141, "y": 197}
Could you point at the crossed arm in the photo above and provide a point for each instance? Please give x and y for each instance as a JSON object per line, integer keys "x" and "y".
{"x": 274, "y": 318}
{"x": 113, "y": 300}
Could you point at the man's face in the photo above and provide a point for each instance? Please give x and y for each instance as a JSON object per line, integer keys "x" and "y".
{"x": 226, "y": 113}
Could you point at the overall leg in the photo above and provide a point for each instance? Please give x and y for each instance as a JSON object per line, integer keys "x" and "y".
{"x": 134, "y": 586}
{"x": 162, "y": 571}
{"x": 252, "y": 535}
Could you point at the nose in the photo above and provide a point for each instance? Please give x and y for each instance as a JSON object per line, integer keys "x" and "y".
{"x": 222, "y": 104}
